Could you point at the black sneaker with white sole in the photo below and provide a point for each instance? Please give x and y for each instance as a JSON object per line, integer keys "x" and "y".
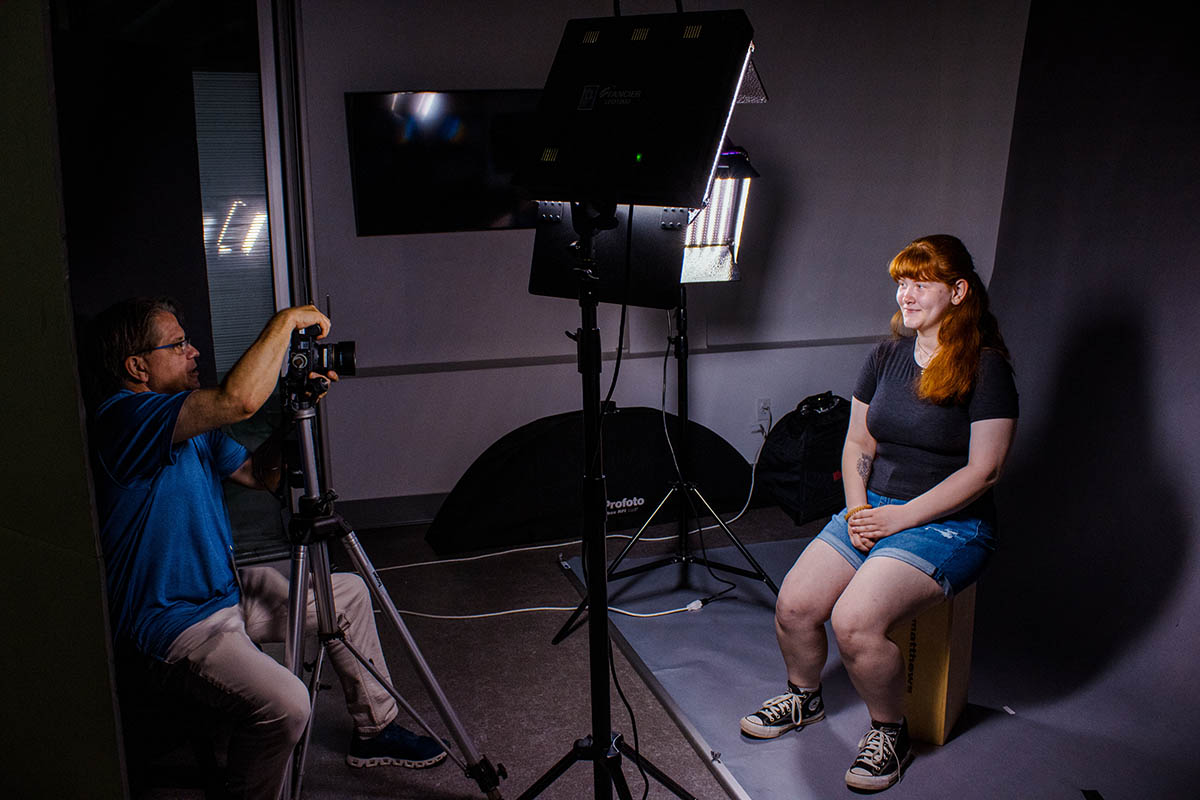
{"x": 395, "y": 746}
{"x": 884, "y": 752}
{"x": 785, "y": 712}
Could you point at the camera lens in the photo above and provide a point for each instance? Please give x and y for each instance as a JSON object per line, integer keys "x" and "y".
{"x": 343, "y": 358}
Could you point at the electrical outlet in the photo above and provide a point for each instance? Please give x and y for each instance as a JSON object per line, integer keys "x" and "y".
{"x": 762, "y": 409}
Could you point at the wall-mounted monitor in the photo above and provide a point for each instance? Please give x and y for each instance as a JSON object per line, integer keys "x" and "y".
{"x": 437, "y": 161}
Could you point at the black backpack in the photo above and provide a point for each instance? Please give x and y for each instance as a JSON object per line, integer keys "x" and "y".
{"x": 800, "y": 467}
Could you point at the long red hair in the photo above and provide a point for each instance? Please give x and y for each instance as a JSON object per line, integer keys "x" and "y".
{"x": 967, "y": 327}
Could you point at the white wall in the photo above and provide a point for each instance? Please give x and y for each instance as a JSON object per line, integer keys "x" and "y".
{"x": 885, "y": 122}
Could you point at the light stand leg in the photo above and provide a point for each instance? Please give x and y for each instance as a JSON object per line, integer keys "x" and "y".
{"x": 689, "y": 492}
{"x": 570, "y": 626}
{"x": 758, "y": 572}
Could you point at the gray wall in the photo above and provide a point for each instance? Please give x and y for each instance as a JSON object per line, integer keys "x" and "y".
{"x": 886, "y": 122}
{"x": 59, "y": 737}
{"x": 1094, "y": 595}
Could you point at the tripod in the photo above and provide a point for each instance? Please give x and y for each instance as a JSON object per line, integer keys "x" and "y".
{"x": 685, "y": 492}
{"x": 603, "y": 747}
{"x": 310, "y": 529}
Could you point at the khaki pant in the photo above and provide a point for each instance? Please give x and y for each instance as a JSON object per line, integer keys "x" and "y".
{"x": 217, "y": 662}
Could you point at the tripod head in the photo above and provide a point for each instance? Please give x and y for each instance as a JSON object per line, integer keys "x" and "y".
{"x": 309, "y": 363}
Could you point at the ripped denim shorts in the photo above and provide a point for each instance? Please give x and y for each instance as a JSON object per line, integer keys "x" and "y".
{"x": 953, "y": 551}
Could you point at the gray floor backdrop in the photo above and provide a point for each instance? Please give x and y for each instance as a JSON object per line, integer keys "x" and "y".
{"x": 722, "y": 661}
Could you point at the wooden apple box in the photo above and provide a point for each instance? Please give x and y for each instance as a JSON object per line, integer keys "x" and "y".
{"x": 936, "y": 648}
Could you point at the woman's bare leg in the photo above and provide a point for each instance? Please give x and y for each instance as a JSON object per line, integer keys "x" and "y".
{"x": 884, "y": 592}
{"x": 806, "y": 600}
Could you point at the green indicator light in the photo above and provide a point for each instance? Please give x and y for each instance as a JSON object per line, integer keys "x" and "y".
{"x": 638, "y": 158}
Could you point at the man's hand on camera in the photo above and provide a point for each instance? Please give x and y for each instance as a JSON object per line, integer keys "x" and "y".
{"x": 323, "y": 380}
{"x": 301, "y": 317}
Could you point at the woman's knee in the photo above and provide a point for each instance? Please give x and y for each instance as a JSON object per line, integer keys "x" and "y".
{"x": 797, "y": 610}
{"x": 811, "y": 587}
{"x": 855, "y": 624}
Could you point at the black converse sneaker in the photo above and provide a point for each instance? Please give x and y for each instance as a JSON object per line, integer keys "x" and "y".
{"x": 884, "y": 752}
{"x": 784, "y": 712}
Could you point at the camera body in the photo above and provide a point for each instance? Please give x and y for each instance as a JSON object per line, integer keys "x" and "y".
{"x": 307, "y": 355}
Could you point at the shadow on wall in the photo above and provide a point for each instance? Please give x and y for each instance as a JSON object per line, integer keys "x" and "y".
{"x": 1093, "y": 533}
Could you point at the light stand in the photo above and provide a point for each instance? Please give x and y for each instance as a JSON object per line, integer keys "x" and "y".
{"x": 603, "y": 747}
{"x": 310, "y": 529}
{"x": 710, "y": 255}
{"x": 616, "y": 124}
{"x": 686, "y": 491}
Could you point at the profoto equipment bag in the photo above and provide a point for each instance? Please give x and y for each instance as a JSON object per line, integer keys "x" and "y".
{"x": 800, "y": 467}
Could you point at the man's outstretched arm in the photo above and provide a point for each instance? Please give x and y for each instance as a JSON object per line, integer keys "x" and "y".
{"x": 252, "y": 379}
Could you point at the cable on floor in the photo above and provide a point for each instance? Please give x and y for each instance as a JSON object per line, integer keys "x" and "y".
{"x": 695, "y": 605}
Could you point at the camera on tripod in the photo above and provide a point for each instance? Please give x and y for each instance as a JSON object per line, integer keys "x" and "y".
{"x": 308, "y": 356}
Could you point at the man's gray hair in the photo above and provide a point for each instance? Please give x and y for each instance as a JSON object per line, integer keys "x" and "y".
{"x": 123, "y": 330}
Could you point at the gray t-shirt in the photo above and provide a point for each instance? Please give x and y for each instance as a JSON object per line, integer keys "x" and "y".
{"x": 920, "y": 443}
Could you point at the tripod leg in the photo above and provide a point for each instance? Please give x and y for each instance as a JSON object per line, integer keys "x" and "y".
{"x": 612, "y": 766}
{"x": 316, "y": 516}
{"x": 300, "y": 757}
{"x": 479, "y": 767}
{"x": 637, "y": 536}
{"x": 323, "y": 592}
{"x": 305, "y": 560}
{"x": 569, "y": 626}
{"x": 387, "y": 685}
{"x": 580, "y": 752}
{"x": 741, "y": 547}
{"x": 297, "y": 611}
{"x": 613, "y": 762}
{"x": 293, "y": 656}
{"x": 653, "y": 771}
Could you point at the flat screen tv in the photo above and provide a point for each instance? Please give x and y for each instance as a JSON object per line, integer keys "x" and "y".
{"x": 437, "y": 161}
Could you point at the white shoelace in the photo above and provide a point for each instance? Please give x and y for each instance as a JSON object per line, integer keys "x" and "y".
{"x": 875, "y": 748}
{"x": 774, "y": 709}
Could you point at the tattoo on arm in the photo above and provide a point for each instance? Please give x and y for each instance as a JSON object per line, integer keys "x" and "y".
{"x": 864, "y": 467}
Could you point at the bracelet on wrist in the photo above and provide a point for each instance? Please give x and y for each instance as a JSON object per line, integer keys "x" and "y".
{"x": 856, "y": 509}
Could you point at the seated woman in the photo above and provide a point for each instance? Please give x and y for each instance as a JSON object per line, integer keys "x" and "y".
{"x": 931, "y": 422}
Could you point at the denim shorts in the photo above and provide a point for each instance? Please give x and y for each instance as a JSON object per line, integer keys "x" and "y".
{"x": 952, "y": 551}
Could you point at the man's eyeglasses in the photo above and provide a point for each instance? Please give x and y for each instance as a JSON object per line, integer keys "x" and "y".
{"x": 178, "y": 348}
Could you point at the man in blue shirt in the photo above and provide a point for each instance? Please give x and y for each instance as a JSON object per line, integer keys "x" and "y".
{"x": 176, "y": 597}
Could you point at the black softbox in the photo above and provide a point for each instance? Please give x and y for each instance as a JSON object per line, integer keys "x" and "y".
{"x": 525, "y": 488}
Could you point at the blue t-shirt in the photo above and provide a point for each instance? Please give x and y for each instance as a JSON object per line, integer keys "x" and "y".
{"x": 164, "y": 528}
